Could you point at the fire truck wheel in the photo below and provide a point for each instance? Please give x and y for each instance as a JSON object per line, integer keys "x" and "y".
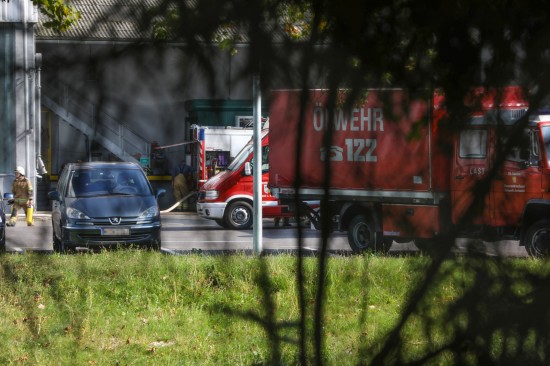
{"x": 361, "y": 236}
{"x": 239, "y": 216}
{"x": 537, "y": 240}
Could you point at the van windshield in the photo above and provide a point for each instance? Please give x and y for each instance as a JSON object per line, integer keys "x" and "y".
{"x": 109, "y": 181}
{"x": 240, "y": 158}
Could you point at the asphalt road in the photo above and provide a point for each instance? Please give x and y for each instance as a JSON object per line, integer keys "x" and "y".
{"x": 186, "y": 232}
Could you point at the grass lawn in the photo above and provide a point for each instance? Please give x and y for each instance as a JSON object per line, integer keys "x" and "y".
{"x": 146, "y": 308}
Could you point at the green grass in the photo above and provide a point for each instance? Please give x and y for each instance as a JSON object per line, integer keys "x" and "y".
{"x": 144, "y": 308}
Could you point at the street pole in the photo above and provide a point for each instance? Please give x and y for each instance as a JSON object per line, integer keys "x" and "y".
{"x": 257, "y": 168}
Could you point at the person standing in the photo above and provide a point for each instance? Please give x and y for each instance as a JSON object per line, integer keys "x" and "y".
{"x": 22, "y": 191}
{"x": 180, "y": 180}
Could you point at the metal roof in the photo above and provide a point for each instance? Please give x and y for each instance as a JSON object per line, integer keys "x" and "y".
{"x": 104, "y": 20}
{"x": 127, "y": 21}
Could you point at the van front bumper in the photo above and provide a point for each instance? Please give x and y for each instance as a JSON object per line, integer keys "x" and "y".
{"x": 92, "y": 236}
{"x": 211, "y": 210}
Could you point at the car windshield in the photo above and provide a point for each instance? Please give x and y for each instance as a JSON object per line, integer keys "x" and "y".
{"x": 110, "y": 181}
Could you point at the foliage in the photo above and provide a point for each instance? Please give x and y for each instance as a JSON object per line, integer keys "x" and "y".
{"x": 312, "y": 311}
{"x": 61, "y": 16}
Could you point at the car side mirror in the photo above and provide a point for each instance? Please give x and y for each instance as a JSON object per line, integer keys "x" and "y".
{"x": 160, "y": 193}
{"x": 8, "y": 197}
{"x": 247, "y": 168}
{"x": 54, "y": 196}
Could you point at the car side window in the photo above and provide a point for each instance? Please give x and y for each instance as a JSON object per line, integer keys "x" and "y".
{"x": 62, "y": 183}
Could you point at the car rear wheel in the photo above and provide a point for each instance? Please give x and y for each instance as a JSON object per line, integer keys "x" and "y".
{"x": 239, "y": 216}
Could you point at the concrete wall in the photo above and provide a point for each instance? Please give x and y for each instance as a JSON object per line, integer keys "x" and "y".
{"x": 17, "y": 19}
{"x": 143, "y": 87}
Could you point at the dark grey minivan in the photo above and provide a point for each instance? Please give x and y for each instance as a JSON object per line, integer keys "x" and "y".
{"x": 105, "y": 204}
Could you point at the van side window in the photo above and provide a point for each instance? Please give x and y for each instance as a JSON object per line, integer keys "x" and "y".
{"x": 473, "y": 144}
{"x": 63, "y": 180}
{"x": 265, "y": 159}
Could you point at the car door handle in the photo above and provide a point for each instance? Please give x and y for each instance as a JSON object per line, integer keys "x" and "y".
{"x": 459, "y": 177}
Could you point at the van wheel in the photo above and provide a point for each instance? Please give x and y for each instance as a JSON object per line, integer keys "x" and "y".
{"x": 56, "y": 243}
{"x": 537, "y": 240}
{"x": 362, "y": 236}
{"x": 239, "y": 216}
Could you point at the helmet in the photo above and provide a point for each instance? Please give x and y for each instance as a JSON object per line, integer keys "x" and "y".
{"x": 20, "y": 170}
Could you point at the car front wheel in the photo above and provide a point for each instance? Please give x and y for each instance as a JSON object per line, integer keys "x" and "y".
{"x": 3, "y": 242}
{"x": 56, "y": 242}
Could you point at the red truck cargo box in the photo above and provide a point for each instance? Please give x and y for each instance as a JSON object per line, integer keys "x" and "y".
{"x": 382, "y": 144}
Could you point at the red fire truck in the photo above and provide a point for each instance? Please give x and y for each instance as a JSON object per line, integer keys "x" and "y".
{"x": 393, "y": 169}
{"x": 228, "y": 196}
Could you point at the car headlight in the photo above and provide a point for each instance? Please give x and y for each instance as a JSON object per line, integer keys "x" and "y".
{"x": 211, "y": 195}
{"x": 73, "y": 213}
{"x": 150, "y": 213}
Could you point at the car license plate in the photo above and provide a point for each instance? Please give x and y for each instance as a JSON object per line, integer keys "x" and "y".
{"x": 107, "y": 231}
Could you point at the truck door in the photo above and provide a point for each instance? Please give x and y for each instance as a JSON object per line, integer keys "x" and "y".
{"x": 520, "y": 180}
{"x": 248, "y": 180}
{"x": 470, "y": 166}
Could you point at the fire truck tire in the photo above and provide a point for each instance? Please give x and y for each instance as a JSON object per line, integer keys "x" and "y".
{"x": 537, "y": 240}
{"x": 361, "y": 236}
{"x": 238, "y": 216}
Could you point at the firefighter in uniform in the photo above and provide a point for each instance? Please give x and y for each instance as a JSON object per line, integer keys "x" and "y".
{"x": 180, "y": 181}
{"x": 22, "y": 191}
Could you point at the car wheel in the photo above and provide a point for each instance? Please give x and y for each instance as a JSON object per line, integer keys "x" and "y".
{"x": 239, "y": 216}
{"x": 362, "y": 236}
{"x": 59, "y": 245}
{"x": 537, "y": 240}
{"x": 56, "y": 242}
{"x": 3, "y": 242}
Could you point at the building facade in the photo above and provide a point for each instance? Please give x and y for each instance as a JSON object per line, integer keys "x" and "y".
{"x": 19, "y": 92}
